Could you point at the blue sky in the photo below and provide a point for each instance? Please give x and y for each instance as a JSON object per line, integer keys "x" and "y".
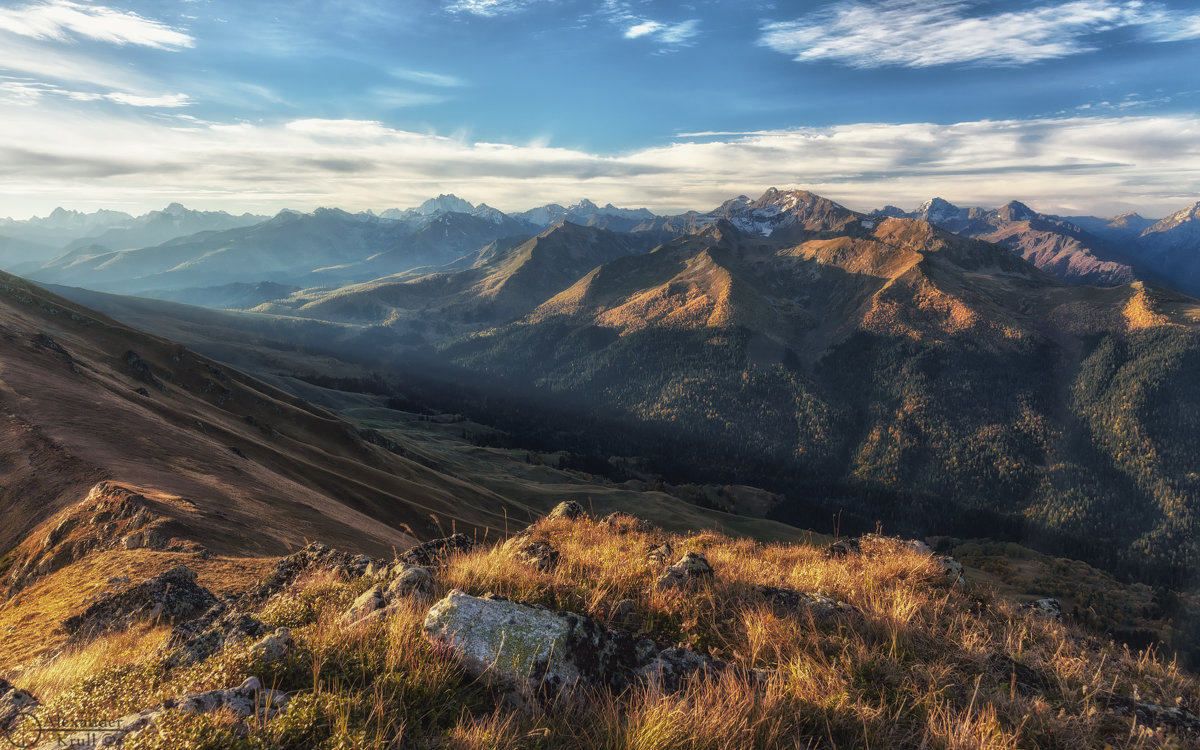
{"x": 1087, "y": 105}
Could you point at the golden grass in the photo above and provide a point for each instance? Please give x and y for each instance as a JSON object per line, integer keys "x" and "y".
{"x": 30, "y": 622}
{"x": 918, "y": 663}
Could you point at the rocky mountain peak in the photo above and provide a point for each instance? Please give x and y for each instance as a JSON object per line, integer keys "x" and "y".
{"x": 445, "y": 203}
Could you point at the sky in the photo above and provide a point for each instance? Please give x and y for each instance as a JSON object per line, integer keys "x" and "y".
{"x": 1076, "y": 107}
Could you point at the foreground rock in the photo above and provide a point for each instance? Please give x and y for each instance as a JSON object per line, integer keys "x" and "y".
{"x": 247, "y": 700}
{"x": 538, "y": 652}
{"x": 314, "y": 557}
{"x": 196, "y": 640}
{"x": 691, "y": 569}
{"x": 409, "y": 581}
{"x": 536, "y": 553}
{"x": 12, "y": 702}
{"x": 173, "y": 596}
{"x": 1048, "y": 608}
{"x": 437, "y": 551}
{"x": 568, "y": 509}
{"x": 790, "y": 601}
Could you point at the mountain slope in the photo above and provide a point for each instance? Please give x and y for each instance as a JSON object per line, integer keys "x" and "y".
{"x": 236, "y": 465}
{"x": 945, "y": 374}
{"x": 1052, "y": 244}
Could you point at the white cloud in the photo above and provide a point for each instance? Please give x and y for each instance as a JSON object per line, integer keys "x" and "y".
{"x": 427, "y": 78}
{"x": 489, "y": 8}
{"x": 29, "y": 91}
{"x": 1176, "y": 29}
{"x": 61, "y": 20}
{"x": 642, "y": 29}
{"x": 922, "y": 33}
{"x": 1104, "y": 165}
{"x": 166, "y": 101}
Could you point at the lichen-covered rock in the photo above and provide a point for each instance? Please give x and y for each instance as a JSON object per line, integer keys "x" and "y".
{"x": 953, "y": 570}
{"x": 437, "y": 551}
{"x": 670, "y": 668}
{"x": 918, "y": 546}
{"x": 537, "y": 553}
{"x": 196, "y": 640}
{"x": 173, "y": 596}
{"x": 1048, "y": 608}
{"x": 316, "y": 557}
{"x": 623, "y": 523}
{"x": 534, "y": 651}
{"x": 624, "y": 615}
{"x": 409, "y": 580}
{"x": 843, "y": 548}
{"x": 660, "y": 554}
{"x": 568, "y": 509}
{"x": 791, "y": 601}
{"x": 12, "y": 702}
{"x": 274, "y": 646}
{"x": 691, "y": 569}
{"x": 370, "y": 601}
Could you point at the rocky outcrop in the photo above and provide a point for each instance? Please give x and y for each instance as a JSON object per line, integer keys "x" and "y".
{"x": 12, "y": 702}
{"x": 110, "y": 517}
{"x": 623, "y": 523}
{"x": 408, "y": 581}
{"x": 1048, "y": 608}
{"x": 790, "y": 601}
{"x": 196, "y": 640}
{"x": 538, "y": 652}
{"x": 568, "y": 509}
{"x": 173, "y": 596}
{"x": 537, "y": 553}
{"x": 435, "y": 552}
{"x": 367, "y": 604}
{"x": 315, "y": 556}
{"x": 691, "y": 569}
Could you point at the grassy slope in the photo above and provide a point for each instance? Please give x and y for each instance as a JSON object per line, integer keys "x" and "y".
{"x": 920, "y": 664}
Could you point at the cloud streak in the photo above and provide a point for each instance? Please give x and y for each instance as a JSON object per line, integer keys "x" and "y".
{"x": 64, "y": 21}
{"x": 1103, "y": 165}
{"x": 924, "y": 33}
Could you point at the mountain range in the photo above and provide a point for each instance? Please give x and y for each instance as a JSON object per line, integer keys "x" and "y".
{"x": 876, "y": 364}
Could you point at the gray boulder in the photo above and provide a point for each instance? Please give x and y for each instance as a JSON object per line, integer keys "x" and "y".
{"x": 568, "y": 509}
{"x": 691, "y": 569}
{"x": 539, "y": 554}
{"x": 196, "y": 640}
{"x": 368, "y": 603}
{"x": 1048, "y": 608}
{"x": 538, "y": 652}
{"x": 790, "y": 601}
{"x": 410, "y": 580}
{"x": 12, "y": 702}
{"x": 436, "y": 552}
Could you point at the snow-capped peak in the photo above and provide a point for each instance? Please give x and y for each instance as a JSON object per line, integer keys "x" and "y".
{"x": 445, "y": 203}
